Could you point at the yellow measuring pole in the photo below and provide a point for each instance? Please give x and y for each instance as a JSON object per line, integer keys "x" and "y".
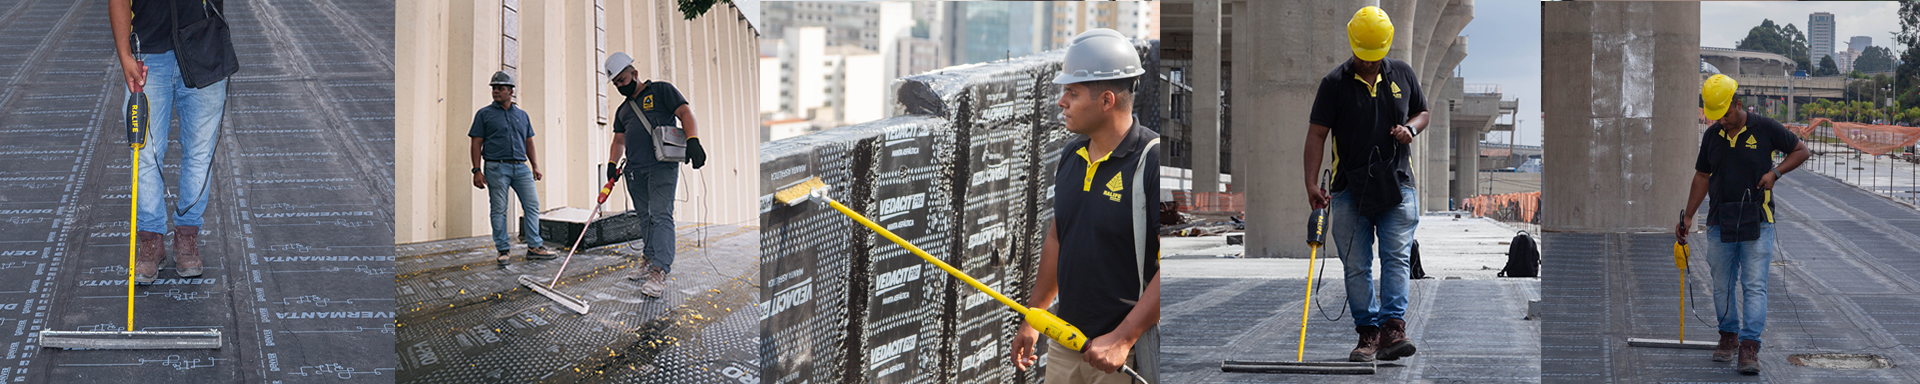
{"x": 1301, "y": 355}
{"x": 133, "y": 232}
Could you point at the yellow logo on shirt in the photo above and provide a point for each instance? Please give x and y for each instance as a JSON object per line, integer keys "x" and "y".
{"x": 1752, "y": 144}
{"x": 646, "y": 102}
{"x": 1396, "y": 89}
{"x": 1114, "y": 186}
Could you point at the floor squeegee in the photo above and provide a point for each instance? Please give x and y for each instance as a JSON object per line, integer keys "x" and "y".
{"x": 1048, "y": 324}
{"x": 128, "y": 338}
{"x": 572, "y": 303}
{"x": 1679, "y": 261}
{"x": 1316, "y": 238}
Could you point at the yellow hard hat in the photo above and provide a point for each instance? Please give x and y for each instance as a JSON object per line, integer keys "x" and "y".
{"x": 1716, "y": 95}
{"x": 1370, "y": 33}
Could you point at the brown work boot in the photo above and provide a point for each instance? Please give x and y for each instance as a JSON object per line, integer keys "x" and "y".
{"x": 506, "y": 256}
{"x": 639, "y": 272}
{"x": 186, "y": 250}
{"x": 539, "y": 253}
{"x": 1393, "y": 342}
{"x": 656, "y": 282}
{"x": 1729, "y": 342}
{"x": 1368, "y": 336}
{"x": 150, "y": 248}
{"x": 1749, "y": 357}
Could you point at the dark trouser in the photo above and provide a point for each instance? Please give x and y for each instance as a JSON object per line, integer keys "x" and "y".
{"x": 651, "y": 184}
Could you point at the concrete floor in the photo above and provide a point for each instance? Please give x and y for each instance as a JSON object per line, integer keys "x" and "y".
{"x": 1468, "y": 324}
{"x": 464, "y": 319}
{"x": 1842, "y": 280}
{"x": 297, "y": 240}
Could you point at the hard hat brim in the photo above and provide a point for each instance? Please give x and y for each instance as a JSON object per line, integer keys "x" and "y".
{"x": 1716, "y": 114}
{"x": 1369, "y": 54}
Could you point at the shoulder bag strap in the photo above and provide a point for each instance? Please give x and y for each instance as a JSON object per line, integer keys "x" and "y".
{"x": 1140, "y": 213}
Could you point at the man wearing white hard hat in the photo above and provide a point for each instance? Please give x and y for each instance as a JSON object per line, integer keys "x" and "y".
{"x": 653, "y": 128}
{"x": 1101, "y": 257}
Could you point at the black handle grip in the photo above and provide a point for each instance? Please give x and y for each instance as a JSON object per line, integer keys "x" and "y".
{"x": 137, "y": 119}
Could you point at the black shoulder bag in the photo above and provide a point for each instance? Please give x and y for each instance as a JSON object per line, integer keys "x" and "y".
{"x": 203, "y": 48}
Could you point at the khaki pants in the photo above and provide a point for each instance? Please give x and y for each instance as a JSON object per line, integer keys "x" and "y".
{"x": 1066, "y": 366}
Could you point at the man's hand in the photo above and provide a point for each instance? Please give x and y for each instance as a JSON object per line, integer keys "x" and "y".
{"x": 695, "y": 153}
{"x": 1766, "y": 181}
{"x": 1680, "y": 231}
{"x": 135, "y": 72}
{"x": 613, "y": 170}
{"x": 1403, "y": 134}
{"x": 1023, "y": 347}
{"x": 1318, "y": 198}
{"x": 1107, "y": 352}
{"x": 479, "y": 180}
{"x": 536, "y": 171}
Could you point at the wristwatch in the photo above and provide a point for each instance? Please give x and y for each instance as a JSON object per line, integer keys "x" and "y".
{"x": 1776, "y": 173}
{"x": 476, "y": 169}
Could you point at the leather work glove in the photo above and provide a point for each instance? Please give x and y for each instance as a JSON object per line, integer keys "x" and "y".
{"x": 695, "y": 153}
{"x": 613, "y": 170}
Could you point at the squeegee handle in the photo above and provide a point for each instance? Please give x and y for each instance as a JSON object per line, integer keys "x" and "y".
{"x": 929, "y": 258}
{"x": 605, "y": 190}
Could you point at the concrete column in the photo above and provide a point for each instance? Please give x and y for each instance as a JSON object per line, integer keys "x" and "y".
{"x": 1275, "y": 89}
{"x": 1433, "y": 183}
{"x": 1244, "y": 42}
{"x": 1620, "y": 123}
{"x": 1466, "y": 161}
{"x": 1206, "y": 95}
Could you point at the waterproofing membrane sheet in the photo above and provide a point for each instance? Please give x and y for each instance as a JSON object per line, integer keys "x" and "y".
{"x": 966, "y": 175}
{"x": 1842, "y": 280}
{"x": 297, "y": 240}
{"x": 1466, "y": 330}
{"x": 465, "y": 319}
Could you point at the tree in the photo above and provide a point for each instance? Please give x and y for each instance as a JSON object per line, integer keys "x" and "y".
{"x": 1874, "y": 59}
{"x": 1827, "y": 67}
{"x": 1785, "y": 41}
{"x": 690, "y": 9}
{"x": 1909, "y": 69}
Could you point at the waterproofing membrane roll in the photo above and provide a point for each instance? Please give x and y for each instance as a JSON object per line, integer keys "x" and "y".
{"x": 966, "y": 175}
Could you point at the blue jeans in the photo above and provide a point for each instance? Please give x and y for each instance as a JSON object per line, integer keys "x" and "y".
{"x": 1355, "y": 234}
{"x": 1741, "y": 267}
{"x": 500, "y": 177}
{"x": 651, "y": 185}
{"x": 200, "y": 111}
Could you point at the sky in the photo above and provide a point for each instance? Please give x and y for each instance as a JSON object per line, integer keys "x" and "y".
{"x": 752, "y": 9}
{"x": 1503, "y": 47}
{"x": 1724, "y": 23}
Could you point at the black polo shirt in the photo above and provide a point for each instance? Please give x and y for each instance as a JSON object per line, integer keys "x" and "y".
{"x": 657, "y": 100}
{"x": 1361, "y": 118}
{"x": 153, "y": 20}
{"x": 1094, "y": 223}
{"x": 1734, "y": 165}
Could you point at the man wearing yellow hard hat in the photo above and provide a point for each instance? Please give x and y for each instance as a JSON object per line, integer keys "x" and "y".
{"x": 1373, "y": 107}
{"x": 1736, "y": 168}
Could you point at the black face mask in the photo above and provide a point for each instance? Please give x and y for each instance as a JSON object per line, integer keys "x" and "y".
{"x": 632, "y": 88}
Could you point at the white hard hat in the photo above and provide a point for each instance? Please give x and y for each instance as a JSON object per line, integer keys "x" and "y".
{"x": 617, "y": 62}
{"x": 1100, "y": 54}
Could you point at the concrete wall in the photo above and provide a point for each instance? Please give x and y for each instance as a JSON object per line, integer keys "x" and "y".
{"x": 964, "y": 173}
{"x": 1287, "y": 47}
{"x": 448, "y": 49}
{"x": 1622, "y": 130}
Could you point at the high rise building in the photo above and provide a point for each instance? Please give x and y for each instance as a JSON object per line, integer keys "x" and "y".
{"x": 1131, "y": 18}
{"x": 822, "y": 85}
{"x": 1819, "y": 37}
{"x": 874, "y": 26}
{"x": 1859, "y": 43}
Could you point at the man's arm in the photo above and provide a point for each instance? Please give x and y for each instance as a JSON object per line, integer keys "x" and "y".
{"x": 685, "y": 114}
{"x": 1793, "y": 160}
{"x": 531, "y": 162}
{"x": 1108, "y": 352}
{"x": 474, "y": 155}
{"x": 120, "y": 16}
{"x": 1419, "y": 122}
{"x": 1310, "y": 163}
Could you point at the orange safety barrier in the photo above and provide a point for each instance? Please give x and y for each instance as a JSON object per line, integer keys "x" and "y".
{"x": 1520, "y": 207}
{"x": 1212, "y": 202}
{"x": 1872, "y": 139}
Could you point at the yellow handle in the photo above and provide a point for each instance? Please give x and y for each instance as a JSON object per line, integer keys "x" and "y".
{"x": 1046, "y": 322}
{"x": 1679, "y": 256}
